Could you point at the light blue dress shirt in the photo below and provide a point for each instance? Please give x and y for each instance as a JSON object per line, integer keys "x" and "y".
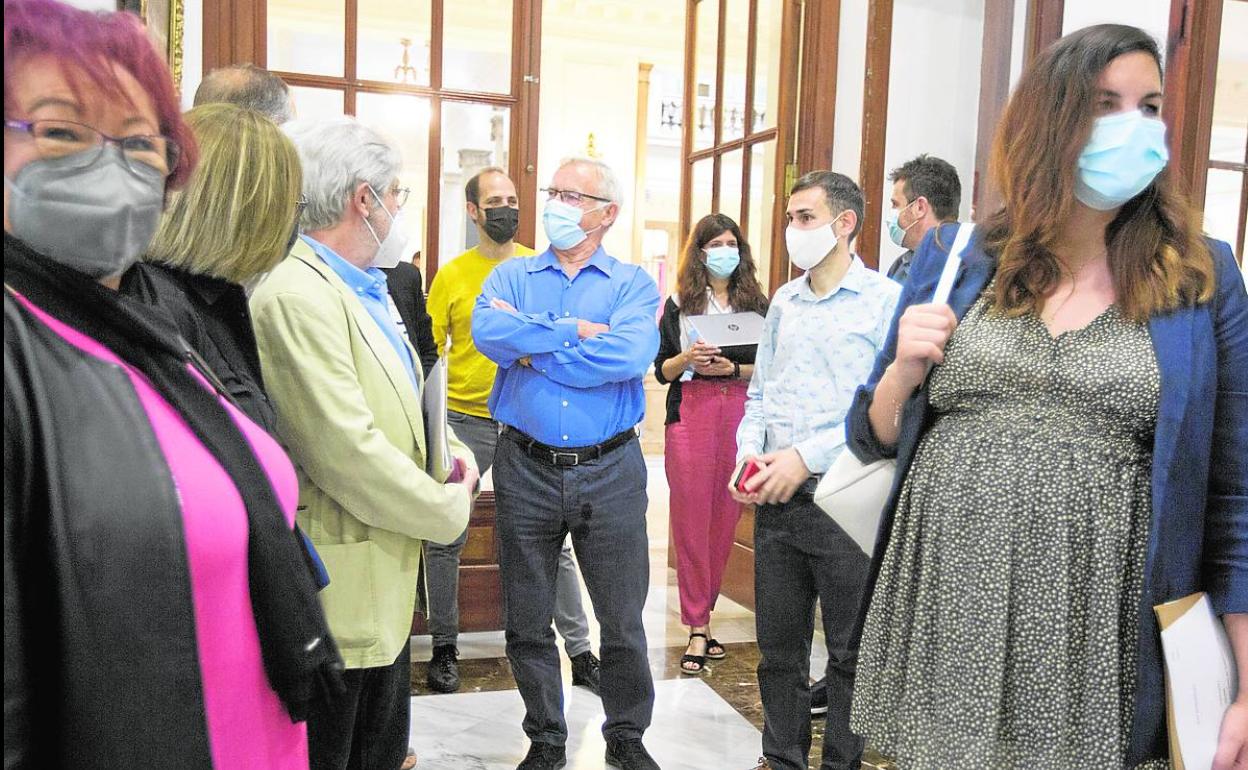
{"x": 370, "y": 286}
{"x": 576, "y": 392}
{"x": 814, "y": 353}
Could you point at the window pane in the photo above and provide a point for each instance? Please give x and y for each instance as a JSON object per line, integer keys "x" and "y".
{"x": 730, "y": 198}
{"x": 393, "y": 41}
{"x": 405, "y": 119}
{"x": 474, "y": 136}
{"x": 317, "y": 102}
{"x": 762, "y": 200}
{"x": 1222, "y": 198}
{"x": 736, "y": 37}
{"x": 1230, "y": 100}
{"x": 704, "y": 64}
{"x": 700, "y": 195}
{"x": 307, "y": 36}
{"x": 476, "y": 46}
{"x": 767, "y": 64}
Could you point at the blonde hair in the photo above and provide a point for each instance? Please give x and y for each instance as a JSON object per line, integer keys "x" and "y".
{"x": 233, "y": 220}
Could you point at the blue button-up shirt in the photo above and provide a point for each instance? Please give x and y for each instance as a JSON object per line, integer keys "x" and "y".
{"x": 370, "y": 286}
{"x": 814, "y": 353}
{"x": 575, "y": 392}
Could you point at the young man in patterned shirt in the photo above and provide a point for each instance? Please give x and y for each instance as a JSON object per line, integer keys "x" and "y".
{"x": 821, "y": 337}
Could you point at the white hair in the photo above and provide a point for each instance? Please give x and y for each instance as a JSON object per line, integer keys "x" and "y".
{"x": 608, "y": 185}
{"x": 337, "y": 155}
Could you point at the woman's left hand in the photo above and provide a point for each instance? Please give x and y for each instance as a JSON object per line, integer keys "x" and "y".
{"x": 1232, "y": 753}
{"x": 718, "y": 367}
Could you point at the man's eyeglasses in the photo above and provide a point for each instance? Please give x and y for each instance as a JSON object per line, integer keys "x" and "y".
{"x": 572, "y": 197}
{"x": 401, "y": 195}
{"x": 83, "y": 144}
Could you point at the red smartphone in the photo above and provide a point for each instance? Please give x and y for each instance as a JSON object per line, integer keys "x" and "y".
{"x": 747, "y": 470}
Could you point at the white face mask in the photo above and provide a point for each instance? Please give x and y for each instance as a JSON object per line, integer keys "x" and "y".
{"x": 389, "y": 251}
{"x": 808, "y": 248}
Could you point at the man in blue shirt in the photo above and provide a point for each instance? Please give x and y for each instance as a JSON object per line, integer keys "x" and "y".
{"x": 820, "y": 340}
{"x": 573, "y": 331}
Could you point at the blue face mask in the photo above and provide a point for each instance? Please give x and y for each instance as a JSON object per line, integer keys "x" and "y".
{"x": 562, "y": 222}
{"x": 722, "y": 261}
{"x": 1124, "y": 155}
{"x": 897, "y": 233}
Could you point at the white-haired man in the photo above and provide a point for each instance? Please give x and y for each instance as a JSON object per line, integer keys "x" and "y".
{"x": 573, "y": 331}
{"x": 345, "y": 384}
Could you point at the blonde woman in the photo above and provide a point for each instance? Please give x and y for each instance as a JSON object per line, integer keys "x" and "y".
{"x": 234, "y": 221}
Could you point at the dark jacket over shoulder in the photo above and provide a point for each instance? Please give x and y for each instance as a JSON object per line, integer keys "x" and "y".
{"x": 1198, "y": 540}
{"x": 100, "y": 662}
{"x": 407, "y": 289}
{"x": 669, "y": 346}
{"x": 212, "y": 316}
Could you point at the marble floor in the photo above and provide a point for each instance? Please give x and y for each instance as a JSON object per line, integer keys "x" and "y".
{"x": 709, "y": 722}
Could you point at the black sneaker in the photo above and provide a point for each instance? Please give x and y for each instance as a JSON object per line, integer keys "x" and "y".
{"x": 819, "y": 698}
{"x": 585, "y": 672}
{"x": 443, "y": 673}
{"x": 543, "y": 756}
{"x": 629, "y": 754}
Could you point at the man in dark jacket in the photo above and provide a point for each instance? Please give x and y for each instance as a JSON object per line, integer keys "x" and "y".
{"x": 407, "y": 293}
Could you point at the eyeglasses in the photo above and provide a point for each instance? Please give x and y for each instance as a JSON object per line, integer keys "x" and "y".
{"x": 300, "y": 206}
{"x": 401, "y": 195}
{"x": 66, "y": 139}
{"x": 572, "y": 197}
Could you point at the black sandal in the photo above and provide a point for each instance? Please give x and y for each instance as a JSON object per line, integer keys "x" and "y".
{"x": 698, "y": 660}
{"x": 713, "y": 643}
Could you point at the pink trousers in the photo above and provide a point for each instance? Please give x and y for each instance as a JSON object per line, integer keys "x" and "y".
{"x": 699, "y": 458}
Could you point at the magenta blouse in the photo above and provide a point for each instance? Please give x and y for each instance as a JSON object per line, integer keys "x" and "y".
{"x": 247, "y": 724}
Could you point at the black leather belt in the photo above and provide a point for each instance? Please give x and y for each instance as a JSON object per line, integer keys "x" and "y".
{"x": 566, "y": 457}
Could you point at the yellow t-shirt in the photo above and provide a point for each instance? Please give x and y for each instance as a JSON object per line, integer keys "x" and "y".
{"x": 456, "y": 286}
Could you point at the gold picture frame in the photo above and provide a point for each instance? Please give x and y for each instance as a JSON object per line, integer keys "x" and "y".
{"x": 165, "y": 21}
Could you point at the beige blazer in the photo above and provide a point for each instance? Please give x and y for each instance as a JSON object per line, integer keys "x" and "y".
{"x": 352, "y": 423}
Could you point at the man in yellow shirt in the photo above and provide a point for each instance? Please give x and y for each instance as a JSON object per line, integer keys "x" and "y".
{"x": 494, "y": 206}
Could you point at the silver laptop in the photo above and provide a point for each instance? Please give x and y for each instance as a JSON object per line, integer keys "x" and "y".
{"x": 729, "y": 330}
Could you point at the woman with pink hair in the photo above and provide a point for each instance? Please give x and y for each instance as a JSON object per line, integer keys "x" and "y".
{"x": 158, "y": 610}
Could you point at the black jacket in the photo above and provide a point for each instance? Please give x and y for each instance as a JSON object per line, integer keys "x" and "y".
{"x": 407, "y": 289}
{"x": 100, "y": 659}
{"x": 212, "y": 315}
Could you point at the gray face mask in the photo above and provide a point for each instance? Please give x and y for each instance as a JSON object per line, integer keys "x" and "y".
{"x": 98, "y": 219}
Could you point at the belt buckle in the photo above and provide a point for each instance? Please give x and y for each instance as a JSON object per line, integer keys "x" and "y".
{"x": 554, "y": 459}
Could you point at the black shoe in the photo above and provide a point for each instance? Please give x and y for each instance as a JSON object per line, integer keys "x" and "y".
{"x": 819, "y": 698}
{"x": 443, "y": 673}
{"x": 585, "y": 672}
{"x": 629, "y": 754}
{"x": 543, "y": 756}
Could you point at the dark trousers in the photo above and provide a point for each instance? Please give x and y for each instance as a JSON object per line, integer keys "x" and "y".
{"x": 603, "y": 504}
{"x": 370, "y": 727}
{"x": 801, "y": 555}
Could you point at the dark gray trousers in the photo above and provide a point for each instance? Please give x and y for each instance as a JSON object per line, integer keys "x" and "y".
{"x": 801, "y": 555}
{"x": 442, "y": 561}
{"x": 603, "y": 504}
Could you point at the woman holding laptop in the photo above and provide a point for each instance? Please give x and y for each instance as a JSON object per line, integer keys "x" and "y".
{"x": 705, "y": 402}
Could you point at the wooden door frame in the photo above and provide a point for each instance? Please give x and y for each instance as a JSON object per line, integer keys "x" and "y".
{"x": 1191, "y": 72}
{"x": 238, "y": 35}
{"x": 783, "y": 133}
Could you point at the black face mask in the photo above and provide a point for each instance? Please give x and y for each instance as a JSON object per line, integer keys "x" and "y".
{"x": 501, "y": 223}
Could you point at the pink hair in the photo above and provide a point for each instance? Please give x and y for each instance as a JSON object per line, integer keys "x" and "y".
{"x": 90, "y": 43}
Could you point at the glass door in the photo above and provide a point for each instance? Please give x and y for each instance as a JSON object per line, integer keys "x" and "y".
{"x": 442, "y": 79}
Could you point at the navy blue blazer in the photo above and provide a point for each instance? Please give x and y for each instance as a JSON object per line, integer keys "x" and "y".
{"x": 1199, "y": 535}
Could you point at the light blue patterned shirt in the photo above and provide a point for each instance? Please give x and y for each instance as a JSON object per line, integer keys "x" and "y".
{"x": 814, "y": 353}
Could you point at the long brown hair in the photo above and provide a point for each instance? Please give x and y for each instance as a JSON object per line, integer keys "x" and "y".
{"x": 744, "y": 291}
{"x": 1157, "y": 257}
